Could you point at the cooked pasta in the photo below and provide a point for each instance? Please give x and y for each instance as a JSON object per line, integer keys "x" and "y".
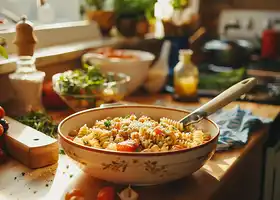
{"x": 141, "y": 134}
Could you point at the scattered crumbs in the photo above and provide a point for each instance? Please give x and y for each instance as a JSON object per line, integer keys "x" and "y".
{"x": 71, "y": 175}
{"x": 63, "y": 172}
{"x": 61, "y": 151}
{"x": 29, "y": 188}
{"x": 47, "y": 185}
{"x": 67, "y": 166}
{"x": 23, "y": 173}
{"x": 15, "y": 178}
{"x": 35, "y": 192}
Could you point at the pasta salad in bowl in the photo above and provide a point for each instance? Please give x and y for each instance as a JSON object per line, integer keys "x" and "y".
{"x": 135, "y": 144}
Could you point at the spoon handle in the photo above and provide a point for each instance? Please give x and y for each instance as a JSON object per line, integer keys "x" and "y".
{"x": 226, "y": 97}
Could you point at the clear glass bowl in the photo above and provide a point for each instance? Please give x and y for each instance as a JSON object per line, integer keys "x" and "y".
{"x": 109, "y": 92}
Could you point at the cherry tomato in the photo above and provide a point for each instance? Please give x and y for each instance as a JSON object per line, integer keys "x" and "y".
{"x": 118, "y": 125}
{"x": 158, "y": 131}
{"x": 5, "y": 125}
{"x": 74, "y": 194}
{"x": 1, "y": 130}
{"x": 106, "y": 193}
{"x": 128, "y": 145}
{"x": 2, "y": 112}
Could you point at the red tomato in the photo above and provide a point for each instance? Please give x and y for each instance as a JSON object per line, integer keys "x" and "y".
{"x": 118, "y": 125}
{"x": 74, "y": 194}
{"x": 1, "y": 130}
{"x": 2, "y": 112}
{"x": 49, "y": 98}
{"x": 106, "y": 193}
{"x": 158, "y": 131}
{"x": 128, "y": 145}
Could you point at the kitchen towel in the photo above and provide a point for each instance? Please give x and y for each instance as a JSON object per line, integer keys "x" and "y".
{"x": 236, "y": 125}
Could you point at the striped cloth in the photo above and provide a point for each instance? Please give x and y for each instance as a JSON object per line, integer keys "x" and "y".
{"x": 236, "y": 125}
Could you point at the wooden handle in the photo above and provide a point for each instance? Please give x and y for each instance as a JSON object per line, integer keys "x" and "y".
{"x": 227, "y": 96}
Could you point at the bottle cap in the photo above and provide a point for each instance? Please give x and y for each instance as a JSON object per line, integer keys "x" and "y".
{"x": 185, "y": 55}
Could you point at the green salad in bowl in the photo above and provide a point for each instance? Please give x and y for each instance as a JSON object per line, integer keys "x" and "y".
{"x": 89, "y": 87}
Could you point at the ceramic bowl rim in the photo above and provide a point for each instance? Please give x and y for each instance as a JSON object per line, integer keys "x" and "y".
{"x": 151, "y": 154}
{"x": 148, "y": 56}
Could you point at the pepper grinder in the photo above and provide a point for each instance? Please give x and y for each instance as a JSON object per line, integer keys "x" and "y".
{"x": 26, "y": 81}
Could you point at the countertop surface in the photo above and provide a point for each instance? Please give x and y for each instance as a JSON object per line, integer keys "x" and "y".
{"x": 19, "y": 182}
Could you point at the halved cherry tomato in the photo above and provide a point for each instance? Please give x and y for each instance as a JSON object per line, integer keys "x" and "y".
{"x": 74, "y": 194}
{"x": 158, "y": 131}
{"x": 1, "y": 130}
{"x": 118, "y": 125}
{"x": 128, "y": 146}
{"x": 106, "y": 193}
{"x": 2, "y": 112}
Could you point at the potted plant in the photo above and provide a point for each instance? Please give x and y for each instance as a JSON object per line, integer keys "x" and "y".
{"x": 96, "y": 11}
{"x": 178, "y": 25}
{"x": 131, "y": 16}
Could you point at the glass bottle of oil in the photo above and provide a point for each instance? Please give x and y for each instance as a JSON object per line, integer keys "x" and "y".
{"x": 185, "y": 78}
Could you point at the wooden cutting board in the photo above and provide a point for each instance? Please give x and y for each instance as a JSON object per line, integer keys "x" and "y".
{"x": 29, "y": 146}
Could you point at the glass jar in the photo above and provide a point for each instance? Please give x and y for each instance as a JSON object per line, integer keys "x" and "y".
{"x": 27, "y": 85}
{"x": 185, "y": 77}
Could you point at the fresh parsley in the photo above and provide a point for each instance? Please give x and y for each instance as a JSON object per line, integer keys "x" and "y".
{"x": 107, "y": 123}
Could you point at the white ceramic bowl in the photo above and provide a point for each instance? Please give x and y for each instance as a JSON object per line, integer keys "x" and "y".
{"x": 136, "y": 69}
{"x": 134, "y": 167}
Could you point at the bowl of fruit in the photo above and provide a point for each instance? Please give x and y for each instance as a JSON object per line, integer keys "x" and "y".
{"x": 89, "y": 88}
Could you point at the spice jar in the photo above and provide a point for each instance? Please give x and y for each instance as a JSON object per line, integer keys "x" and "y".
{"x": 185, "y": 78}
{"x": 27, "y": 85}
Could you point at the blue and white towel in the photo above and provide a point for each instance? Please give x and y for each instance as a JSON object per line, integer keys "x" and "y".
{"x": 236, "y": 125}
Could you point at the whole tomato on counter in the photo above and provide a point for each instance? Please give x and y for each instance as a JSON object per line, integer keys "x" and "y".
{"x": 2, "y": 112}
{"x": 50, "y": 99}
{"x": 75, "y": 194}
{"x": 106, "y": 193}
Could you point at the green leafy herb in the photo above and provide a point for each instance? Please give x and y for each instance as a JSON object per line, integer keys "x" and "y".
{"x": 81, "y": 81}
{"x": 41, "y": 122}
{"x": 61, "y": 151}
{"x": 107, "y": 123}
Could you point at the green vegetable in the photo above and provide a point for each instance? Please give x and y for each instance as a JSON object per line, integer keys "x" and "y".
{"x": 61, "y": 151}
{"x": 81, "y": 81}
{"x": 41, "y": 122}
{"x": 222, "y": 80}
{"x": 107, "y": 123}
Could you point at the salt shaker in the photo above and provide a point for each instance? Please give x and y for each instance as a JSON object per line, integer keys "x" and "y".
{"x": 26, "y": 81}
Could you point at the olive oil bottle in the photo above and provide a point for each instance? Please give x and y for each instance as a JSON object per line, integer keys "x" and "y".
{"x": 186, "y": 78}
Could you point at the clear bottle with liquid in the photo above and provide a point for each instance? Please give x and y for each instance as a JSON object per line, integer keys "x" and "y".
{"x": 27, "y": 84}
{"x": 186, "y": 78}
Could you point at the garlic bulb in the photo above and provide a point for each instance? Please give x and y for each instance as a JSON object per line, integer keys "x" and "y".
{"x": 128, "y": 194}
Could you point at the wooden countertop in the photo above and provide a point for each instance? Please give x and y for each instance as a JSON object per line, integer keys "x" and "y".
{"x": 19, "y": 182}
